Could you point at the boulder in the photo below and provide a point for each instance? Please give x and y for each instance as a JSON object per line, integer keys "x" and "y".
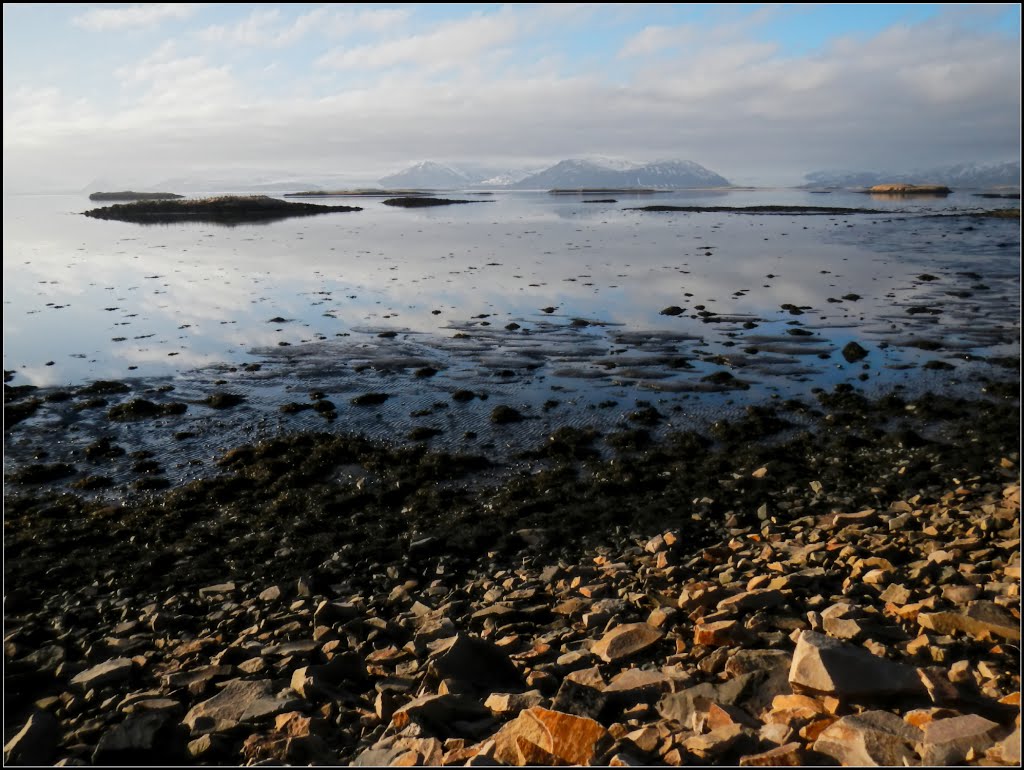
{"x": 240, "y": 700}
{"x": 625, "y": 641}
{"x": 825, "y": 665}
{"x": 541, "y": 736}
{"x": 870, "y": 739}
{"x": 947, "y": 741}
{"x": 477, "y": 662}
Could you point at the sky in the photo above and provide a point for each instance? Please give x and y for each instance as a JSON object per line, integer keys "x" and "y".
{"x": 761, "y": 94}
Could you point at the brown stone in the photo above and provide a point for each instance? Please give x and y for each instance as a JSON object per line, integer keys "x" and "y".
{"x": 721, "y": 633}
{"x": 983, "y": 620}
{"x": 947, "y": 741}
{"x": 625, "y": 641}
{"x": 824, "y": 665}
{"x": 239, "y": 700}
{"x": 438, "y": 712}
{"x": 568, "y": 739}
{"x": 475, "y": 661}
{"x": 109, "y": 672}
{"x": 789, "y": 755}
{"x": 870, "y": 739}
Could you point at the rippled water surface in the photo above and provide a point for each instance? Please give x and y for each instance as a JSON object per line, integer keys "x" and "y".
{"x": 546, "y": 303}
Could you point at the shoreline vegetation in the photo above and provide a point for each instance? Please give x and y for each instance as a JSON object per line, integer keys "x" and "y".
{"x": 843, "y": 592}
{"x": 228, "y": 209}
{"x": 129, "y": 195}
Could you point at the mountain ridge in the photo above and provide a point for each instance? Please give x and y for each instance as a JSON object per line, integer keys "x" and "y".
{"x": 970, "y": 175}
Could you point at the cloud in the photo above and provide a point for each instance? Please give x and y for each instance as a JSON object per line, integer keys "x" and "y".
{"x": 449, "y": 45}
{"x": 123, "y": 17}
{"x": 652, "y": 39}
{"x": 267, "y": 28}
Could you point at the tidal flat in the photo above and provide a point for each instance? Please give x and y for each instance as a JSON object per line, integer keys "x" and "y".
{"x": 399, "y": 409}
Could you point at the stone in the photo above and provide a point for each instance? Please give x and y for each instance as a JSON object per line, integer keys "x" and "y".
{"x": 947, "y": 741}
{"x": 825, "y": 665}
{"x": 539, "y": 735}
{"x": 438, "y": 713}
{"x": 625, "y": 641}
{"x": 1008, "y": 750}
{"x": 758, "y": 599}
{"x": 503, "y": 703}
{"x": 714, "y": 745}
{"x": 151, "y": 738}
{"x": 239, "y": 700}
{"x": 35, "y": 743}
{"x": 789, "y": 755}
{"x": 982, "y": 621}
{"x": 721, "y": 633}
{"x": 110, "y": 672}
{"x": 870, "y": 739}
{"x": 635, "y": 685}
{"x": 580, "y": 699}
{"x": 684, "y": 705}
{"x": 319, "y": 681}
{"x": 475, "y": 661}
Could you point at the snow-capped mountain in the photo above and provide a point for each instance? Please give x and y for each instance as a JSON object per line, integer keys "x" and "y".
{"x": 586, "y": 172}
{"x": 427, "y": 174}
{"x": 969, "y": 175}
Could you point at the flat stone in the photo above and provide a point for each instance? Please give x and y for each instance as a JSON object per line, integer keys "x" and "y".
{"x": 36, "y": 742}
{"x": 985, "y": 627}
{"x": 947, "y": 741}
{"x": 538, "y": 735}
{"x": 789, "y": 755}
{"x": 635, "y": 685}
{"x": 747, "y": 661}
{"x": 870, "y": 739}
{"x": 1008, "y": 750}
{"x": 625, "y": 641}
{"x": 216, "y": 590}
{"x": 579, "y": 699}
{"x": 825, "y": 665}
{"x": 721, "y": 633}
{"x": 240, "y": 700}
{"x": 714, "y": 745}
{"x": 504, "y": 703}
{"x": 758, "y": 599}
{"x": 110, "y": 672}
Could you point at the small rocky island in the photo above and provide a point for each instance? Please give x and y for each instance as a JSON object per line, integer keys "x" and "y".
{"x": 412, "y": 202}
{"x": 131, "y": 195}
{"x": 899, "y": 188}
{"x": 225, "y": 209}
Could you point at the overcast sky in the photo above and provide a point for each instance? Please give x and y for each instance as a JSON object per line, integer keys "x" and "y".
{"x": 761, "y": 94}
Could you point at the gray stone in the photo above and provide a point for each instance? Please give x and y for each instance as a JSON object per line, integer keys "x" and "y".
{"x": 475, "y": 661}
{"x": 625, "y": 641}
{"x": 239, "y": 700}
{"x": 110, "y": 672}
{"x": 825, "y": 665}
{"x": 947, "y": 741}
{"x": 142, "y": 739}
{"x": 579, "y": 699}
{"x": 870, "y": 739}
{"x": 682, "y": 706}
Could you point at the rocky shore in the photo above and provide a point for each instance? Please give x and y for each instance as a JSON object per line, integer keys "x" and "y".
{"x": 846, "y": 594}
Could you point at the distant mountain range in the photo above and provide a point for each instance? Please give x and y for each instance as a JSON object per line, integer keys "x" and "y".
{"x": 959, "y": 175}
{"x": 567, "y": 174}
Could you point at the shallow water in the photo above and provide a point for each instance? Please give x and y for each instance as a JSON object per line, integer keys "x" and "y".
{"x": 191, "y": 306}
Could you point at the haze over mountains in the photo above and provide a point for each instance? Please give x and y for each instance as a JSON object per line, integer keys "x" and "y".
{"x": 573, "y": 173}
{"x": 981, "y": 175}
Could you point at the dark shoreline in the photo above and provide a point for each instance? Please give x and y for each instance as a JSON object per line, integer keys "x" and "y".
{"x": 229, "y": 209}
{"x": 336, "y": 551}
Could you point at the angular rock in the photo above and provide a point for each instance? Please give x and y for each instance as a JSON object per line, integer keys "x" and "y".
{"x": 870, "y": 739}
{"x": 720, "y": 633}
{"x": 789, "y": 755}
{"x": 625, "y": 641}
{"x": 538, "y": 734}
{"x": 502, "y": 703}
{"x": 142, "y": 739}
{"x": 438, "y": 713}
{"x": 824, "y": 665}
{"x": 110, "y": 672}
{"x": 579, "y": 699}
{"x": 713, "y": 746}
{"x": 35, "y": 743}
{"x": 983, "y": 620}
{"x": 682, "y": 706}
{"x": 947, "y": 741}
{"x": 475, "y": 661}
{"x": 240, "y": 700}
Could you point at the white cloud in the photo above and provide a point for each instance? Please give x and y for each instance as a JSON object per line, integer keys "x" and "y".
{"x": 267, "y": 28}
{"x": 652, "y": 39}
{"x": 122, "y": 17}
{"x": 449, "y": 45}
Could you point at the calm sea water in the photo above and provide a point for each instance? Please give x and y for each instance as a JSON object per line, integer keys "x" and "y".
{"x": 543, "y": 302}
